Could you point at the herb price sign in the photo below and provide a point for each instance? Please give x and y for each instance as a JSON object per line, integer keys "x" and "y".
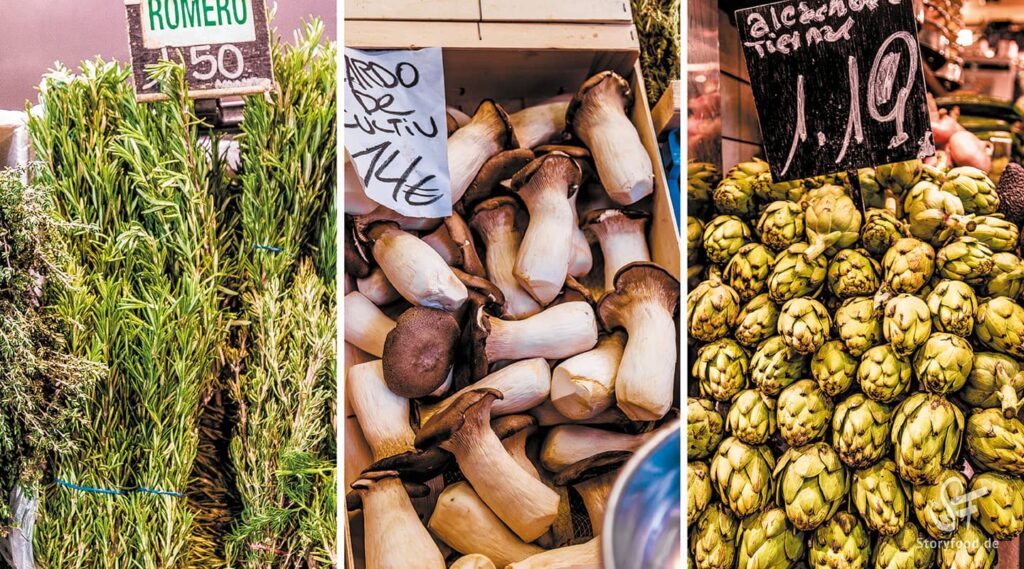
{"x": 838, "y": 84}
{"x": 223, "y": 44}
{"x": 396, "y": 129}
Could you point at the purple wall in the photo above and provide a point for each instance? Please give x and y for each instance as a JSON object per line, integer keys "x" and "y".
{"x": 70, "y": 31}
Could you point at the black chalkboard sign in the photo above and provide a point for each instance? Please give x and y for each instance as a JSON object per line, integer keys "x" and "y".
{"x": 838, "y": 84}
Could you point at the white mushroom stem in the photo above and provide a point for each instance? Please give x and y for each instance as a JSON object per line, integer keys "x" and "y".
{"x": 566, "y": 445}
{"x": 473, "y": 561}
{"x": 417, "y": 272}
{"x": 389, "y": 519}
{"x": 377, "y": 288}
{"x": 501, "y": 241}
{"x": 464, "y": 522}
{"x": 547, "y": 415}
{"x": 583, "y": 385}
{"x": 558, "y": 332}
{"x": 583, "y": 556}
{"x": 471, "y": 146}
{"x": 622, "y": 242}
{"x": 366, "y": 327}
{"x": 582, "y": 258}
{"x": 382, "y": 415}
{"x": 595, "y": 493}
{"x": 544, "y": 255}
{"x": 524, "y": 385}
{"x": 526, "y": 505}
{"x": 622, "y": 162}
{"x": 645, "y": 382}
{"x": 539, "y": 124}
{"x": 516, "y": 446}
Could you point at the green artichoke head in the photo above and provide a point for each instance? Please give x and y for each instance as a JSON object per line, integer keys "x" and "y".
{"x": 877, "y": 493}
{"x": 860, "y": 430}
{"x": 711, "y": 310}
{"x": 694, "y": 239}
{"x": 1007, "y": 276}
{"x": 906, "y": 549}
{"x": 842, "y": 542}
{"x": 775, "y": 365}
{"x": 698, "y": 490}
{"x": 996, "y": 442}
{"x": 781, "y": 224}
{"x": 968, "y": 548}
{"x": 975, "y": 189}
{"x": 943, "y": 363}
{"x": 1000, "y": 504}
{"x": 853, "y": 273}
{"x": 804, "y": 324}
{"x": 996, "y": 232}
{"x": 751, "y": 418}
{"x": 952, "y": 305}
{"x": 701, "y": 179}
{"x": 926, "y": 437}
{"x": 858, "y": 325}
{"x": 713, "y": 538}
{"x": 934, "y": 215}
{"x": 883, "y": 374}
{"x": 768, "y": 541}
{"x": 832, "y": 222}
{"x": 880, "y": 230}
{"x": 965, "y": 259}
{"x": 936, "y": 505}
{"x": 907, "y": 323}
{"x": 995, "y": 382}
{"x": 908, "y": 265}
{"x": 735, "y": 196}
{"x": 999, "y": 325}
{"x": 758, "y": 320}
{"x": 721, "y": 369}
{"x": 748, "y": 270}
{"x": 704, "y": 428}
{"x": 811, "y": 484}
{"x": 803, "y": 412}
{"x": 723, "y": 236}
{"x": 742, "y": 476}
{"x": 793, "y": 275}
{"x": 899, "y": 176}
{"x": 834, "y": 368}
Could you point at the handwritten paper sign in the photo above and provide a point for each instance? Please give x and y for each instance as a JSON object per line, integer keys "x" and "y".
{"x": 395, "y": 129}
{"x": 223, "y": 44}
{"x": 838, "y": 84}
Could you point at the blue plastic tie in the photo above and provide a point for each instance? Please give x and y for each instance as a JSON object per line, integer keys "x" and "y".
{"x": 160, "y": 492}
{"x": 92, "y": 490}
{"x": 270, "y": 248}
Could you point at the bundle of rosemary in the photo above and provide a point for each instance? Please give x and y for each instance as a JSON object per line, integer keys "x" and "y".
{"x": 42, "y": 386}
{"x": 658, "y": 25}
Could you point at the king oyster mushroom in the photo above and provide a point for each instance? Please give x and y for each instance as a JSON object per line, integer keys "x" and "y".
{"x": 525, "y": 504}
{"x": 366, "y": 326}
{"x": 644, "y": 303}
{"x": 525, "y": 384}
{"x": 545, "y": 186}
{"x": 377, "y": 289}
{"x": 585, "y": 555}
{"x": 539, "y": 124}
{"x": 622, "y": 237}
{"x": 454, "y": 242}
{"x": 495, "y": 220}
{"x": 419, "y": 352}
{"x": 567, "y": 445}
{"x": 583, "y": 386}
{"x": 497, "y": 170}
{"x": 597, "y": 115}
{"x": 488, "y": 133}
{"x": 473, "y": 561}
{"x": 593, "y": 478}
{"x": 389, "y": 518}
{"x": 560, "y": 331}
{"x": 416, "y": 271}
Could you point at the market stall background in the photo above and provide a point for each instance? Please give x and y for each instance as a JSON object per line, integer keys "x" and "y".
{"x": 33, "y": 35}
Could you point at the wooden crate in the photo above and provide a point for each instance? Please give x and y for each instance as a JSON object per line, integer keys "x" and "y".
{"x": 517, "y": 65}
{"x": 593, "y": 11}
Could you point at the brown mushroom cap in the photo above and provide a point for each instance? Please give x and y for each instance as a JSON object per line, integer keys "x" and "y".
{"x": 615, "y": 218}
{"x": 481, "y": 290}
{"x": 510, "y": 425}
{"x": 555, "y": 164}
{"x": 357, "y": 263}
{"x": 354, "y": 498}
{"x": 638, "y": 281}
{"x": 384, "y": 214}
{"x": 499, "y": 211}
{"x": 592, "y": 467}
{"x": 497, "y": 168}
{"x": 462, "y": 237}
{"x": 474, "y": 342}
{"x": 603, "y": 84}
{"x": 574, "y": 291}
{"x": 488, "y": 110}
{"x": 420, "y": 351}
{"x": 452, "y": 418}
{"x": 575, "y": 152}
{"x": 414, "y": 465}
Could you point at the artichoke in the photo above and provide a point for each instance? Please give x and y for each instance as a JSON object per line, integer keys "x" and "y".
{"x": 968, "y": 548}
{"x": 996, "y": 232}
{"x": 999, "y": 325}
{"x": 751, "y": 417}
{"x": 713, "y": 538}
{"x": 711, "y": 310}
{"x": 747, "y": 270}
{"x": 721, "y": 369}
{"x": 976, "y": 191}
{"x": 832, "y": 222}
{"x": 926, "y": 434}
{"x": 701, "y": 178}
{"x": 698, "y": 490}
{"x": 794, "y": 276}
{"x": 860, "y": 430}
{"x": 943, "y": 363}
{"x": 1000, "y": 504}
{"x": 935, "y": 215}
{"x": 768, "y": 191}
{"x": 965, "y": 259}
{"x": 883, "y": 374}
{"x": 768, "y": 541}
{"x": 694, "y": 239}
{"x": 878, "y": 495}
{"x": 858, "y": 325}
{"x": 723, "y": 236}
{"x": 853, "y": 273}
{"x": 803, "y": 411}
{"x": 907, "y": 549}
{"x": 742, "y": 476}
{"x": 952, "y": 305}
{"x": 898, "y": 177}
{"x": 907, "y": 323}
{"x": 908, "y": 265}
{"x": 757, "y": 321}
{"x": 804, "y": 325}
{"x": 735, "y": 196}
{"x": 995, "y": 442}
{"x": 833, "y": 368}
{"x": 781, "y": 225}
{"x": 775, "y": 365}
{"x": 842, "y": 543}
{"x": 881, "y": 229}
{"x": 811, "y": 483}
{"x": 749, "y": 170}
{"x": 995, "y": 382}
{"x": 704, "y": 428}
{"x": 1007, "y": 276}
{"x": 935, "y": 503}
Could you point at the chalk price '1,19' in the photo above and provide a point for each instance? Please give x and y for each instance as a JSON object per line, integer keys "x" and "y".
{"x": 204, "y": 65}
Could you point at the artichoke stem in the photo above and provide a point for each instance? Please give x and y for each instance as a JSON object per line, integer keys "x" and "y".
{"x": 821, "y": 245}
{"x": 1008, "y": 399}
{"x": 960, "y": 222}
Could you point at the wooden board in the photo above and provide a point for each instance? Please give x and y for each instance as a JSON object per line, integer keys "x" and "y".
{"x": 596, "y": 11}
{"x": 435, "y": 10}
{"x": 836, "y": 90}
{"x": 667, "y": 111}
